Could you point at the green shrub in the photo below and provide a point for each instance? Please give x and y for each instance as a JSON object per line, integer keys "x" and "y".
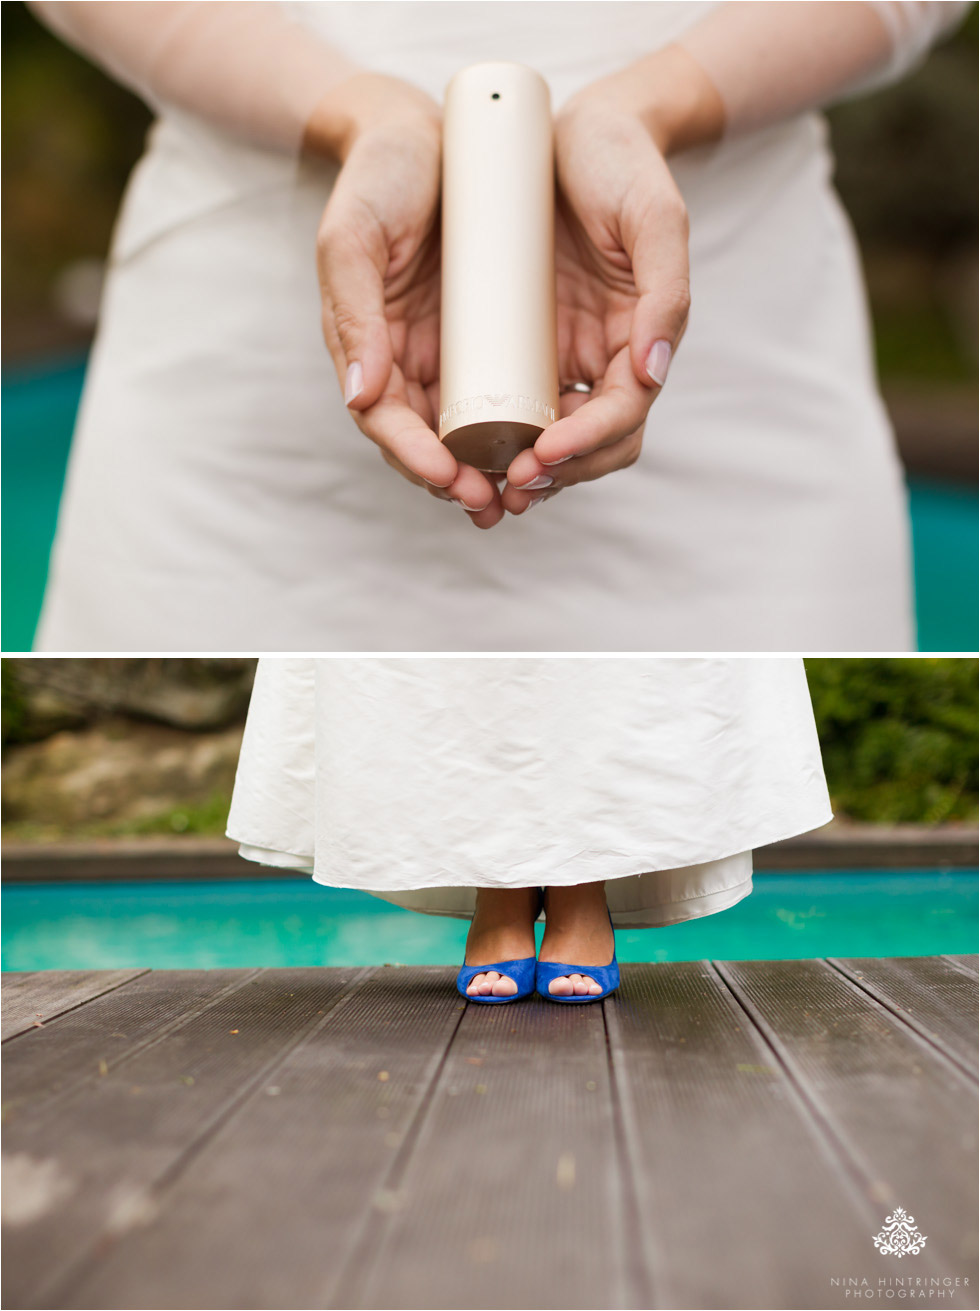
{"x": 899, "y": 737}
{"x": 12, "y": 705}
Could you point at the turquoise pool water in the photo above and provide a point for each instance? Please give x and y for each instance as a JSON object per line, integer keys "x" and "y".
{"x": 39, "y": 411}
{"x": 290, "y": 920}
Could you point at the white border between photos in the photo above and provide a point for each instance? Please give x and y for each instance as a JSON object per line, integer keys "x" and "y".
{"x": 496, "y": 655}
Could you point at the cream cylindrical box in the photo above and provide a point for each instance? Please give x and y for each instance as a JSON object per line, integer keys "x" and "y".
{"x": 499, "y": 354}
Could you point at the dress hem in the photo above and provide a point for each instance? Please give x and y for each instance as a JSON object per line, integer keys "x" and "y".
{"x": 655, "y": 916}
{"x": 644, "y": 917}
{"x": 613, "y": 866}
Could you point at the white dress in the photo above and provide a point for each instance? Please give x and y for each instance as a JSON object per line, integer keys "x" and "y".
{"x": 220, "y": 497}
{"x": 421, "y": 780}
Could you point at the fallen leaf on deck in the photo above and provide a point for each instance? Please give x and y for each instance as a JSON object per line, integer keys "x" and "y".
{"x": 565, "y": 1172}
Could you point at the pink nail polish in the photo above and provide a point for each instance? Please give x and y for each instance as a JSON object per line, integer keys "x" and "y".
{"x": 354, "y": 382}
{"x": 550, "y": 464}
{"x": 658, "y": 362}
{"x": 542, "y": 480}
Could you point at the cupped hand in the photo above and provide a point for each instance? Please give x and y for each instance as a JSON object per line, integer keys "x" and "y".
{"x": 378, "y": 259}
{"x": 623, "y": 293}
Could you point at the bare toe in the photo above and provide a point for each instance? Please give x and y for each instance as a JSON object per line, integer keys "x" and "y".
{"x": 561, "y": 987}
{"x": 504, "y": 987}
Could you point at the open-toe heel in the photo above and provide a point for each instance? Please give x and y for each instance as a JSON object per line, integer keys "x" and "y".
{"x": 607, "y": 976}
{"x": 522, "y": 972}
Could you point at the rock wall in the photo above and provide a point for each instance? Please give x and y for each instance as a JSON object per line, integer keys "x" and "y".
{"x": 119, "y": 772}
{"x": 120, "y": 745}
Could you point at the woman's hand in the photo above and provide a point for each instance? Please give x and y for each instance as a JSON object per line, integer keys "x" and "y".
{"x": 378, "y": 257}
{"x": 622, "y": 272}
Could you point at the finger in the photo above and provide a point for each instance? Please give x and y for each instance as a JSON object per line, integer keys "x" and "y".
{"x": 352, "y": 261}
{"x": 528, "y": 472}
{"x": 657, "y": 244}
{"x": 397, "y": 429}
{"x": 609, "y": 459}
{"x": 472, "y": 489}
{"x": 463, "y": 492}
{"x": 570, "y": 401}
{"x": 516, "y": 503}
{"x": 585, "y": 468}
{"x": 490, "y": 515}
{"x": 619, "y": 408}
{"x": 439, "y": 493}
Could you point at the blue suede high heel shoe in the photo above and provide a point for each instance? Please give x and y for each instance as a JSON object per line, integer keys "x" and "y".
{"x": 522, "y": 972}
{"x": 607, "y": 976}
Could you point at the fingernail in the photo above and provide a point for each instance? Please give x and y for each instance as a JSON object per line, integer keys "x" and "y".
{"x": 658, "y": 362}
{"x": 473, "y": 509}
{"x": 550, "y": 464}
{"x": 354, "y": 382}
{"x": 535, "y": 500}
{"x": 542, "y": 480}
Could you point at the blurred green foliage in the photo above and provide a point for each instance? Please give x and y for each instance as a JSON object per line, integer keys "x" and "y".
{"x": 13, "y": 705}
{"x": 899, "y": 737}
{"x": 907, "y": 155}
{"x": 206, "y": 818}
{"x": 907, "y": 173}
{"x": 70, "y": 136}
{"x": 921, "y": 338}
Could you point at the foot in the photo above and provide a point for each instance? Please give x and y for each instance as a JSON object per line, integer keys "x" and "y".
{"x": 577, "y": 929}
{"x": 502, "y": 929}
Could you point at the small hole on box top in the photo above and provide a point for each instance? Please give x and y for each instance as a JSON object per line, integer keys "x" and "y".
{"x": 495, "y": 95}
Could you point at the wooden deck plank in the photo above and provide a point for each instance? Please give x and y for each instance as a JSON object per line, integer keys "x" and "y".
{"x": 971, "y": 964}
{"x": 938, "y": 1000}
{"x": 718, "y": 1135}
{"x": 321, "y": 1140}
{"x": 37, "y": 996}
{"x": 88, "y": 1041}
{"x": 723, "y": 1151}
{"x": 514, "y": 1175}
{"x": 87, "y": 1177}
{"x": 904, "y": 1116}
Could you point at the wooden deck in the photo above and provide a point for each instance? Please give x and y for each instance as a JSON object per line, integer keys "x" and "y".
{"x": 720, "y": 1134}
